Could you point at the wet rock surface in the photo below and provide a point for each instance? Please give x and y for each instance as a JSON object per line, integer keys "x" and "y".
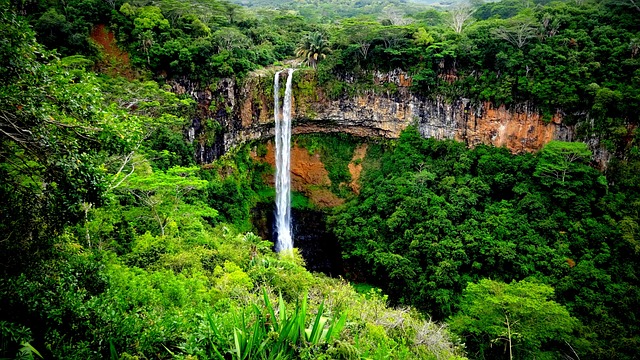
{"x": 317, "y": 245}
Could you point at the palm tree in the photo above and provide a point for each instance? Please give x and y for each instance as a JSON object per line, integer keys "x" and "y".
{"x": 314, "y": 46}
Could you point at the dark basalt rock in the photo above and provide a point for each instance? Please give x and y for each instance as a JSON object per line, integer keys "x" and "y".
{"x": 317, "y": 245}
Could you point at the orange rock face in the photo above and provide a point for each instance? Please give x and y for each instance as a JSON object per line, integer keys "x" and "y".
{"x": 517, "y": 131}
{"x": 308, "y": 175}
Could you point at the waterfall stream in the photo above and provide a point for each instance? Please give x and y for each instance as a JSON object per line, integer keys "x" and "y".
{"x": 283, "y": 163}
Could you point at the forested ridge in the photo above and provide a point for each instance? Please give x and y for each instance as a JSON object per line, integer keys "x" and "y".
{"x": 117, "y": 244}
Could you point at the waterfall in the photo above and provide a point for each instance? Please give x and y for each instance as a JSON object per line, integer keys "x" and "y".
{"x": 283, "y": 163}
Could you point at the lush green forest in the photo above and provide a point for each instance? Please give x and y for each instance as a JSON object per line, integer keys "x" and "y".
{"x": 117, "y": 244}
{"x": 332, "y": 10}
{"x": 434, "y": 218}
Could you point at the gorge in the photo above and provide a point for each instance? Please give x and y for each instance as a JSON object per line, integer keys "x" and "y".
{"x": 246, "y": 114}
{"x": 445, "y": 185}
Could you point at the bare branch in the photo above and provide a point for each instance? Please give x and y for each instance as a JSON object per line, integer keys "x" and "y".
{"x": 517, "y": 34}
{"x": 396, "y": 17}
{"x": 459, "y": 16}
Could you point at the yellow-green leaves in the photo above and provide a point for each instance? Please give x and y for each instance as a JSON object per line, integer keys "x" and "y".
{"x": 520, "y": 316}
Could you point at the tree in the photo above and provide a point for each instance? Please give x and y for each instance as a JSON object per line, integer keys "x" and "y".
{"x": 164, "y": 194}
{"x": 233, "y": 11}
{"x": 517, "y": 33}
{"x": 423, "y": 38}
{"x": 459, "y": 16}
{"x": 520, "y": 315}
{"x": 49, "y": 125}
{"x": 146, "y": 42}
{"x": 635, "y": 4}
{"x": 564, "y": 168}
{"x": 634, "y": 45}
{"x": 391, "y": 36}
{"x": 148, "y": 23}
{"x": 360, "y": 33}
{"x": 314, "y": 47}
{"x": 228, "y": 39}
{"x": 560, "y": 159}
{"x": 52, "y": 28}
{"x": 395, "y": 16}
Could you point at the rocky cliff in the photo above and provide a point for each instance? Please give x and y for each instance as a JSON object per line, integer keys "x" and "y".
{"x": 245, "y": 113}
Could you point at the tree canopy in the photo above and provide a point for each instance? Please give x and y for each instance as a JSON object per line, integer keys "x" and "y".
{"x": 118, "y": 244}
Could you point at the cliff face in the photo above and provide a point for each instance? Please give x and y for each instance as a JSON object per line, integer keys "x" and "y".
{"x": 246, "y": 113}
{"x": 308, "y": 175}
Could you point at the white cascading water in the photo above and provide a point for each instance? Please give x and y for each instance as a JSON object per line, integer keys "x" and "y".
{"x": 283, "y": 163}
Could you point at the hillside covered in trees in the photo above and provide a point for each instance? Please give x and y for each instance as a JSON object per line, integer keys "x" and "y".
{"x": 117, "y": 243}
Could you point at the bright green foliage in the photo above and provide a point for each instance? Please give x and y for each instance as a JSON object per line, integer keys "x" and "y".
{"x": 563, "y": 167}
{"x": 115, "y": 254}
{"x": 213, "y": 39}
{"x": 207, "y": 294}
{"x": 556, "y": 57}
{"x": 50, "y": 123}
{"x": 422, "y": 37}
{"x": 235, "y": 194}
{"x": 148, "y": 18}
{"x": 559, "y": 157}
{"x": 328, "y": 10}
{"x": 283, "y": 335}
{"x": 108, "y": 258}
{"x": 520, "y": 317}
{"x": 165, "y": 195}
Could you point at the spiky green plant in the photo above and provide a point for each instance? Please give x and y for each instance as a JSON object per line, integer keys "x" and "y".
{"x": 282, "y": 335}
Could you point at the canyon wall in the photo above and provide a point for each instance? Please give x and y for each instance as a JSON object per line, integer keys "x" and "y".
{"x": 245, "y": 113}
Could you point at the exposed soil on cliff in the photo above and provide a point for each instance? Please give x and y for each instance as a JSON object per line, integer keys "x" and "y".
{"x": 324, "y": 198}
{"x": 308, "y": 175}
{"x": 114, "y": 60}
{"x": 355, "y": 167}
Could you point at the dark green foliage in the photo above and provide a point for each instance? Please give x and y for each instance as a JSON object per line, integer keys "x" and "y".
{"x": 502, "y": 9}
{"x": 433, "y": 216}
{"x": 556, "y": 58}
{"x": 218, "y": 40}
{"x": 328, "y": 10}
{"x": 67, "y": 28}
{"x": 168, "y": 148}
{"x": 49, "y": 125}
{"x": 14, "y": 341}
{"x": 234, "y": 187}
{"x": 110, "y": 244}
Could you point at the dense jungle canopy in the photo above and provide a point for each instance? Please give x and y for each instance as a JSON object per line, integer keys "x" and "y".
{"x": 116, "y": 243}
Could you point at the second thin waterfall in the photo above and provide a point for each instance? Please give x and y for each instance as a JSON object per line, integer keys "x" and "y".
{"x": 283, "y": 163}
